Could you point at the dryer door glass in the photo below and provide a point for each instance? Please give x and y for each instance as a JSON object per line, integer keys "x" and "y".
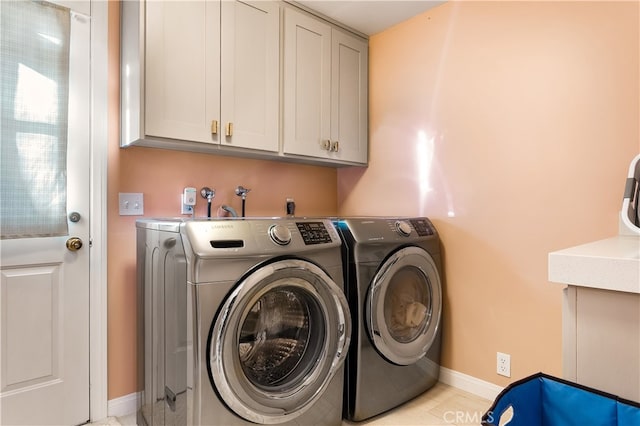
{"x": 278, "y": 340}
{"x": 408, "y": 304}
{"x": 404, "y": 305}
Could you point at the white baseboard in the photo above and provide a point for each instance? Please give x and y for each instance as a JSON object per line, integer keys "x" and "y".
{"x": 469, "y": 384}
{"x": 123, "y": 406}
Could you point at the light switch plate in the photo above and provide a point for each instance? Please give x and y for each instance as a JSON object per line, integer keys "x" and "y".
{"x": 131, "y": 204}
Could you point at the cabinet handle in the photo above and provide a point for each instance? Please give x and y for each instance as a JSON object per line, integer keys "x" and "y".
{"x": 229, "y": 131}
{"x": 335, "y": 146}
{"x": 326, "y": 145}
{"x": 214, "y": 127}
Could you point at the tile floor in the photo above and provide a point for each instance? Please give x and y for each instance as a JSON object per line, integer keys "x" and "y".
{"x": 441, "y": 405}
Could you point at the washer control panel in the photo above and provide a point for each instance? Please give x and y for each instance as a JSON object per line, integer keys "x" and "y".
{"x": 314, "y": 232}
{"x": 260, "y": 236}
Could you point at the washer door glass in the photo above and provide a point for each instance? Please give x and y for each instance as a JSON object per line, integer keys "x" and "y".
{"x": 278, "y": 340}
{"x": 404, "y": 306}
{"x": 282, "y": 328}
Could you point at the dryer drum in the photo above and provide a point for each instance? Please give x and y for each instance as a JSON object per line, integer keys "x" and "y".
{"x": 407, "y": 304}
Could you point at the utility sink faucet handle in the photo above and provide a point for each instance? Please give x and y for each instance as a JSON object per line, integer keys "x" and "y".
{"x": 207, "y": 193}
{"x": 241, "y": 191}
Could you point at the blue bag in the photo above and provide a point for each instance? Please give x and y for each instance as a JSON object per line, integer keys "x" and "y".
{"x": 543, "y": 400}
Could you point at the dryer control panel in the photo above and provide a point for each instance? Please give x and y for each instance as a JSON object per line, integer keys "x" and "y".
{"x": 380, "y": 230}
{"x": 405, "y": 227}
{"x": 422, "y": 226}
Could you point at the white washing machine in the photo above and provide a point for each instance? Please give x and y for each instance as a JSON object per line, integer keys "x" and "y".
{"x": 267, "y": 325}
{"x": 394, "y": 287}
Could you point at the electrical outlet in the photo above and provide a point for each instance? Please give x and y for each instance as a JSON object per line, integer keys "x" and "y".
{"x": 503, "y": 364}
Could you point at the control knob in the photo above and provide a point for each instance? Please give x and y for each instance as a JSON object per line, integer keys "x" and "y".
{"x": 403, "y": 228}
{"x": 280, "y": 234}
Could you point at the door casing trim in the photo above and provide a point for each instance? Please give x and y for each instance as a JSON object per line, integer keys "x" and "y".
{"x": 98, "y": 377}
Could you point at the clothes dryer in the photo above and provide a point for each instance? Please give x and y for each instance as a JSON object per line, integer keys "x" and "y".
{"x": 393, "y": 279}
{"x": 267, "y": 322}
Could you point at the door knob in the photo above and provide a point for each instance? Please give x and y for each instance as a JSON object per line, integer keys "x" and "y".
{"x": 74, "y": 244}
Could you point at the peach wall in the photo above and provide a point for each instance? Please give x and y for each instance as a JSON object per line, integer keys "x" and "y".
{"x": 161, "y": 176}
{"x": 511, "y": 125}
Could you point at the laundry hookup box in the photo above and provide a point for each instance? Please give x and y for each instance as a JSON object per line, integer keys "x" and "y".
{"x": 543, "y": 400}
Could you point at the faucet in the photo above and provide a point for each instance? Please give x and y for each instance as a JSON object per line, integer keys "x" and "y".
{"x": 227, "y": 210}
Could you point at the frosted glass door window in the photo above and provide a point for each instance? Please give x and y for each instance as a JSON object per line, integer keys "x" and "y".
{"x": 34, "y": 70}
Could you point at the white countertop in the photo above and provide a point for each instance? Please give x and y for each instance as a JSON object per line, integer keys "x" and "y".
{"x": 610, "y": 264}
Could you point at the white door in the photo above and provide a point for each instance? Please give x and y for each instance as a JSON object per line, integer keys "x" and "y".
{"x": 44, "y": 286}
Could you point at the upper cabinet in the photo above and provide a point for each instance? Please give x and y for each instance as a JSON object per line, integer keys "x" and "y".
{"x": 214, "y": 76}
{"x": 325, "y": 90}
{"x": 182, "y": 70}
{"x": 250, "y": 68}
{"x": 212, "y": 72}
